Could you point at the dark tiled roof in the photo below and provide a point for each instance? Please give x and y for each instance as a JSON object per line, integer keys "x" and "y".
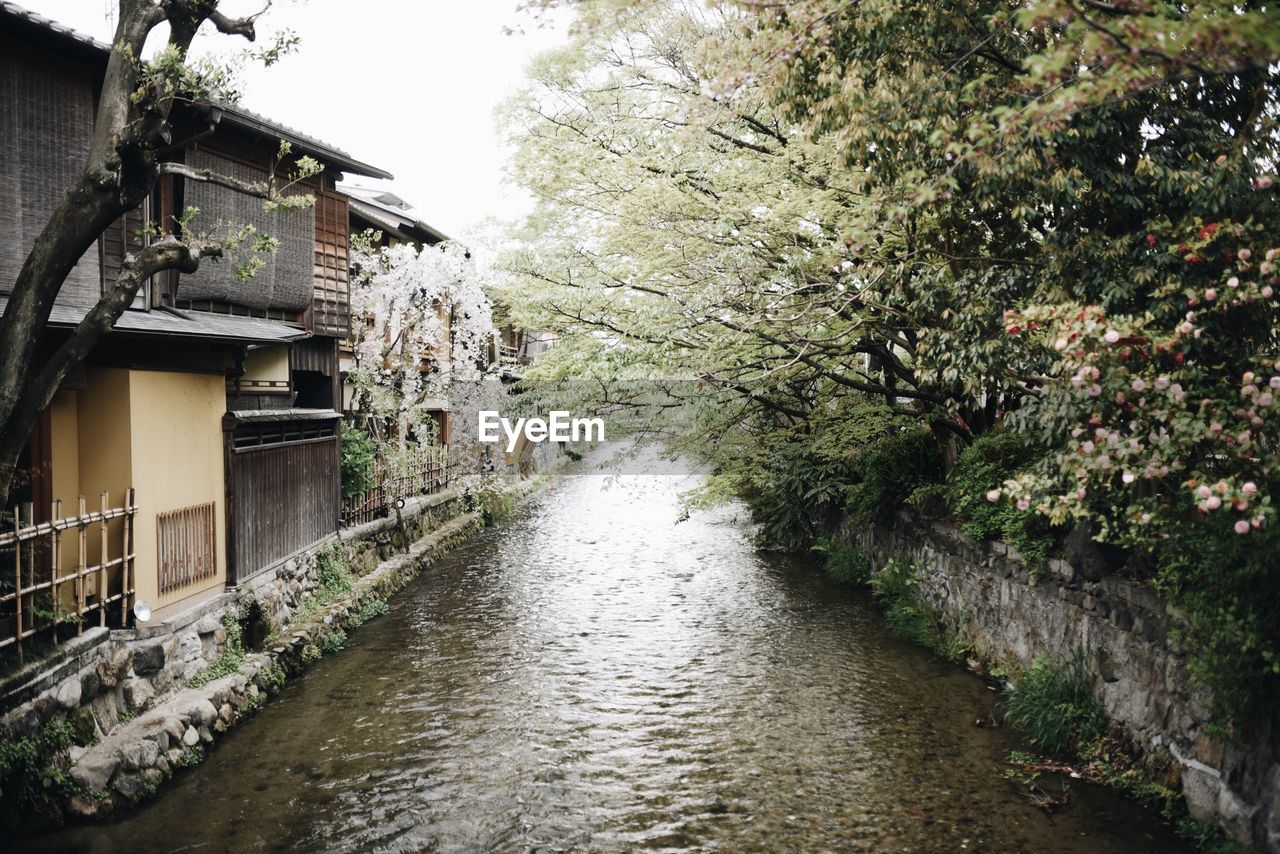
{"x": 192, "y": 324}
{"x": 369, "y": 203}
{"x": 234, "y": 115}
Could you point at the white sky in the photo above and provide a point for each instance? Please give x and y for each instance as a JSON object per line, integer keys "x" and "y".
{"x": 406, "y": 85}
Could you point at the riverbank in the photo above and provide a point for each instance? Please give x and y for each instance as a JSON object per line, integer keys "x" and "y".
{"x": 107, "y": 722}
{"x": 1006, "y": 615}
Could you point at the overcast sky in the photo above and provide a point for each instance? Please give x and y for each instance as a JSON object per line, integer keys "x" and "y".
{"x": 407, "y": 85}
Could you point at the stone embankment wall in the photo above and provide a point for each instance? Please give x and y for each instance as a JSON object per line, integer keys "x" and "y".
{"x": 133, "y": 697}
{"x": 1010, "y": 615}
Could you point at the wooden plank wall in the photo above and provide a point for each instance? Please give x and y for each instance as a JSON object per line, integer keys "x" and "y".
{"x": 284, "y": 497}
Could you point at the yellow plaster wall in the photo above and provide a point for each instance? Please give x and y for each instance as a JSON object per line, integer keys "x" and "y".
{"x": 64, "y": 430}
{"x": 177, "y": 456}
{"x": 103, "y": 453}
{"x": 265, "y": 365}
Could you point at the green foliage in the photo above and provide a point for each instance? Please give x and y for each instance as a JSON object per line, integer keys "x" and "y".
{"x": 333, "y": 577}
{"x": 370, "y": 609}
{"x": 889, "y": 471}
{"x": 909, "y": 616}
{"x": 1054, "y": 707}
{"x": 331, "y": 640}
{"x": 983, "y": 466}
{"x": 1225, "y": 586}
{"x": 229, "y": 659}
{"x": 359, "y": 452}
{"x": 35, "y": 774}
{"x": 493, "y": 504}
{"x": 844, "y": 562}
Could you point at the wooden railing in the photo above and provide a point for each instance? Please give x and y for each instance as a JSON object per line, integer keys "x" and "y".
{"x": 43, "y": 593}
{"x": 422, "y": 471}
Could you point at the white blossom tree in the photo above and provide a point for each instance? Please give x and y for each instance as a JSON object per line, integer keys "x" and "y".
{"x": 423, "y": 328}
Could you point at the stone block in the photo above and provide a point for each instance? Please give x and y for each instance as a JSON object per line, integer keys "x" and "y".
{"x": 138, "y": 694}
{"x": 68, "y": 693}
{"x": 95, "y": 768}
{"x": 148, "y": 659}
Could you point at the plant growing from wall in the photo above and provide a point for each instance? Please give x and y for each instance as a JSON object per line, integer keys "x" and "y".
{"x": 35, "y": 774}
{"x": 1053, "y": 705}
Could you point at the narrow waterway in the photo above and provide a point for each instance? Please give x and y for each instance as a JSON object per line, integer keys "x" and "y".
{"x": 594, "y": 674}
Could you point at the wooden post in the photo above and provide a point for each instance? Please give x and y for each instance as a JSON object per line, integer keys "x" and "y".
{"x": 17, "y": 573}
{"x": 102, "y": 563}
{"x": 55, "y": 555}
{"x": 80, "y": 574}
{"x": 126, "y": 564}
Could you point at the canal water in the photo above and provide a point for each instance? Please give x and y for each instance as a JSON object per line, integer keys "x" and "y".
{"x": 595, "y": 674}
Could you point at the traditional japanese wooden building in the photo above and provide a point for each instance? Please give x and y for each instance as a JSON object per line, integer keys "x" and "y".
{"x": 215, "y": 400}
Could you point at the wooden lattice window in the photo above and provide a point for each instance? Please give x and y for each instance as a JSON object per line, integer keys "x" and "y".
{"x": 331, "y": 289}
{"x": 186, "y": 549}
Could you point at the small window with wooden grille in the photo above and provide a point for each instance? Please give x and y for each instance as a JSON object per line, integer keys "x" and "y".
{"x": 186, "y": 546}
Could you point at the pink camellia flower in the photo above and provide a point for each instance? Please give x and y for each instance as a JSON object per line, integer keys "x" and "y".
{"x": 1274, "y": 382}
{"x": 1233, "y": 282}
{"x": 1210, "y": 294}
{"x": 1264, "y": 399}
{"x": 1204, "y": 491}
{"x": 1215, "y": 428}
{"x": 1024, "y": 503}
{"x": 993, "y": 495}
{"x": 1262, "y": 182}
{"x": 1080, "y": 493}
{"x": 1139, "y": 385}
{"x": 1162, "y": 383}
{"x": 1258, "y": 520}
{"x": 1060, "y": 344}
{"x": 1185, "y": 327}
{"x": 1242, "y": 527}
{"x": 1255, "y": 421}
{"x": 1249, "y": 488}
{"x": 1088, "y": 447}
{"x": 1111, "y": 336}
{"x": 1197, "y": 333}
{"x": 1076, "y": 381}
{"x": 1095, "y": 373}
{"x": 1244, "y": 254}
{"x": 1176, "y": 391}
{"x": 1222, "y": 486}
{"x": 1076, "y": 431}
{"x": 1095, "y": 390}
{"x": 1213, "y": 502}
{"x": 1145, "y": 518}
{"x": 1249, "y": 376}
{"x": 1240, "y": 504}
{"x": 1272, "y": 253}
{"x": 1119, "y": 397}
{"x": 1128, "y": 477}
{"x": 1267, "y": 291}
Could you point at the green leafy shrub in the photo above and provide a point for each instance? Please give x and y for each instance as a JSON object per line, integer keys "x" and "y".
{"x": 359, "y": 452}
{"x": 35, "y": 775}
{"x": 909, "y": 615}
{"x": 1053, "y": 705}
{"x": 333, "y": 577}
{"x": 844, "y": 562}
{"x": 985, "y": 465}
{"x": 889, "y": 471}
{"x": 1225, "y": 585}
{"x": 370, "y": 609}
{"x": 229, "y": 659}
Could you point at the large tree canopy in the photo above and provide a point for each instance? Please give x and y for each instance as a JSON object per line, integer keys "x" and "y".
{"x": 1054, "y": 220}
